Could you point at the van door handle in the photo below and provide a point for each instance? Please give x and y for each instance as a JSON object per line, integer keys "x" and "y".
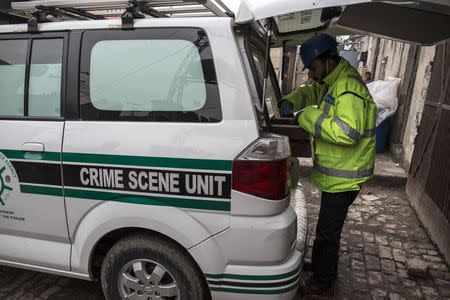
{"x": 33, "y": 147}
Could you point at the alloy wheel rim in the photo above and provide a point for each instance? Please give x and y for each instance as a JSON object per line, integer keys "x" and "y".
{"x": 144, "y": 279}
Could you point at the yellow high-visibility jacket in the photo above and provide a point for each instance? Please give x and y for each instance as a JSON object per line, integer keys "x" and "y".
{"x": 343, "y": 127}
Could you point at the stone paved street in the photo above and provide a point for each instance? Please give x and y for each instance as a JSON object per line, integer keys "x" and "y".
{"x": 18, "y": 284}
{"x": 385, "y": 254}
{"x": 385, "y": 251}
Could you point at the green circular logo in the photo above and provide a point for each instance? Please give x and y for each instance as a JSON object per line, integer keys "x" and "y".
{"x": 8, "y": 179}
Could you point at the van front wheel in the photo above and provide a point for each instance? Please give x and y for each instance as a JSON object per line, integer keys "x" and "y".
{"x": 151, "y": 268}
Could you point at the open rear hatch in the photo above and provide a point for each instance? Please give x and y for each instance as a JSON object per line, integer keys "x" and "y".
{"x": 421, "y": 22}
{"x": 292, "y": 22}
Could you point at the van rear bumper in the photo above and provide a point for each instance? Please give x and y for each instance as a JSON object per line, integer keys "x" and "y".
{"x": 257, "y": 257}
{"x": 261, "y": 282}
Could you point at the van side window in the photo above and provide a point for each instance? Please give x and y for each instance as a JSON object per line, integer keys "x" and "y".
{"x": 43, "y": 72}
{"x": 44, "y": 96}
{"x": 159, "y": 74}
{"x": 13, "y": 57}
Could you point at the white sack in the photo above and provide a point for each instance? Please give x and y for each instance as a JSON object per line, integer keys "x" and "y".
{"x": 384, "y": 93}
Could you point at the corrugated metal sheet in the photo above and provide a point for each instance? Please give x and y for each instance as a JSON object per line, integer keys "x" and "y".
{"x": 430, "y": 165}
{"x": 446, "y": 99}
{"x": 420, "y": 164}
{"x": 438, "y": 182}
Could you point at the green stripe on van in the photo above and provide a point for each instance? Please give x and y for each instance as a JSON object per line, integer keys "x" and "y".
{"x": 41, "y": 190}
{"x": 128, "y": 198}
{"x": 144, "y": 161}
{"x": 253, "y": 277}
{"x": 19, "y": 154}
{"x": 166, "y": 162}
{"x": 254, "y": 291}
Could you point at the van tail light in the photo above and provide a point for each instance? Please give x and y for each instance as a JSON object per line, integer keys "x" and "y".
{"x": 263, "y": 168}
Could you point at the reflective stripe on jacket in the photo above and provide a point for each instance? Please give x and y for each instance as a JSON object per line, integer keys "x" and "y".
{"x": 343, "y": 127}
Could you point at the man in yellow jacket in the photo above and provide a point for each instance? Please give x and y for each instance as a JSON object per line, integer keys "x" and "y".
{"x": 340, "y": 114}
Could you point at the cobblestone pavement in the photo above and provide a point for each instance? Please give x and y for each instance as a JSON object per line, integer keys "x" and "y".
{"x": 382, "y": 237}
{"x": 385, "y": 251}
{"x": 17, "y": 284}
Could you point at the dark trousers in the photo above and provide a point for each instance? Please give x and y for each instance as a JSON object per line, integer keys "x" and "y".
{"x": 325, "y": 255}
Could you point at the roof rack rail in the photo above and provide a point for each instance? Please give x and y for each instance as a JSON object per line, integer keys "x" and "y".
{"x": 106, "y": 9}
{"x": 128, "y": 10}
{"x": 39, "y": 14}
{"x": 136, "y": 10}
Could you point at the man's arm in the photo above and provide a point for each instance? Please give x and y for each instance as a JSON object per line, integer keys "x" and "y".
{"x": 345, "y": 128}
{"x": 305, "y": 96}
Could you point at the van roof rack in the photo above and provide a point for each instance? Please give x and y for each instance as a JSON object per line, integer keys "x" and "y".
{"x": 59, "y": 10}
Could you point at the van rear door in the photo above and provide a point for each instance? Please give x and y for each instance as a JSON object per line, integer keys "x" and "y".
{"x": 33, "y": 227}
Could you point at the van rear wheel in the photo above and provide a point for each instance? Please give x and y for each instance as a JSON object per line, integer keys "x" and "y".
{"x": 149, "y": 267}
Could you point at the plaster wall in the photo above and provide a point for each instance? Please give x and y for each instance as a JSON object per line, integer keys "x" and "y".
{"x": 422, "y": 81}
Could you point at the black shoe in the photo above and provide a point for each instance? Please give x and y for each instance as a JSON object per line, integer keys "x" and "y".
{"x": 315, "y": 287}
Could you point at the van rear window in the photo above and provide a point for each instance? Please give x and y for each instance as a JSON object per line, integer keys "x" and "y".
{"x": 148, "y": 75}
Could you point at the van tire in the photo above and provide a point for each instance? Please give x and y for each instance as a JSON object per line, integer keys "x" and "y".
{"x": 153, "y": 249}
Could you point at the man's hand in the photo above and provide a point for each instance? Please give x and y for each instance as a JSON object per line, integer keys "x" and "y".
{"x": 286, "y": 108}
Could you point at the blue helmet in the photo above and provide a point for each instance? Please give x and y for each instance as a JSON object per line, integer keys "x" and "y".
{"x": 315, "y": 46}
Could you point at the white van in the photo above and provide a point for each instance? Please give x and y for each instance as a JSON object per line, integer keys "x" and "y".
{"x": 138, "y": 150}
